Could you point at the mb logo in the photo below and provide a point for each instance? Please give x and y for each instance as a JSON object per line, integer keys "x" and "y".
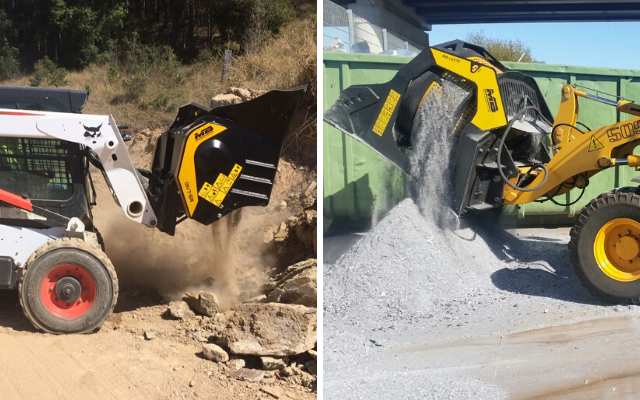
{"x": 492, "y": 103}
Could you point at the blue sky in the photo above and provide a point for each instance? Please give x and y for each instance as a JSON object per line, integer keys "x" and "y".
{"x": 588, "y": 44}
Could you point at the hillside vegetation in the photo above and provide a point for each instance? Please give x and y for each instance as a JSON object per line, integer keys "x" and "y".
{"x": 142, "y": 75}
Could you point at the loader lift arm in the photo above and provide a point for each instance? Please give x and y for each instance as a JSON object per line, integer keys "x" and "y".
{"x": 105, "y": 141}
{"x": 578, "y": 154}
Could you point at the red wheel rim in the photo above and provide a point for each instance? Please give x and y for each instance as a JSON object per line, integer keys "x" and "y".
{"x": 55, "y": 305}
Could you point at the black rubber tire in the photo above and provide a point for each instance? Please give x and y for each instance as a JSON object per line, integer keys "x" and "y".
{"x": 618, "y": 203}
{"x": 74, "y": 252}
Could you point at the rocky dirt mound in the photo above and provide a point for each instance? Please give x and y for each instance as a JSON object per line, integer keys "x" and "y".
{"x": 256, "y": 348}
{"x": 258, "y": 340}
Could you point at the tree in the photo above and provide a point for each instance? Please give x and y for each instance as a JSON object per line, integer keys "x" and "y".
{"x": 238, "y": 19}
{"x": 502, "y": 49}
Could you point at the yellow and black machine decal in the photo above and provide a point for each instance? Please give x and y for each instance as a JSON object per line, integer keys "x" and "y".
{"x": 216, "y": 193}
{"x": 387, "y": 111}
{"x": 491, "y": 115}
{"x": 594, "y": 144}
{"x": 186, "y": 174}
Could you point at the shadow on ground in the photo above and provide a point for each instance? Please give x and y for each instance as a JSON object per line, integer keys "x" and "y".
{"x": 11, "y": 316}
{"x": 539, "y": 265}
{"x": 132, "y": 298}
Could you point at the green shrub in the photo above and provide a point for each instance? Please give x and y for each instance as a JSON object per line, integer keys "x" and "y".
{"x": 164, "y": 102}
{"x": 47, "y": 72}
{"x": 204, "y": 56}
{"x": 113, "y": 74}
{"x": 134, "y": 89}
{"x": 9, "y": 65}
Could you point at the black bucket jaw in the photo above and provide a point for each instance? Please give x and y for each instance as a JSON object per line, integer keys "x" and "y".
{"x": 368, "y": 112}
{"x": 213, "y": 161}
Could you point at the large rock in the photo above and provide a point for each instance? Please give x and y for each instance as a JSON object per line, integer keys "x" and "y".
{"x": 244, "y": 94}
{"x": 236, "y": 364}
{"x": 222, "y": 100}
{"x": 248, "y": 375}
{"x": 203, "y": 303}
{"x": 179, "y": 310}
{"x": 298, "y": 284}
{"x": 273, "y": 364}
{"x": 214, "y": 353}
{"x": 268, "y": 329}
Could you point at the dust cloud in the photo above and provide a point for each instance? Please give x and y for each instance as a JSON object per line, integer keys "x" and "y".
{"x": 227, "y": 257}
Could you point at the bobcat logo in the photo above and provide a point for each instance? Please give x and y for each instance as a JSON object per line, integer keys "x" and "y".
{"x": 92, "y": 132}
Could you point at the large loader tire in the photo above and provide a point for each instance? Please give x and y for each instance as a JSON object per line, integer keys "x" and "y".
{"x": 68, "y": 286}
{"x": 605, "y": 247}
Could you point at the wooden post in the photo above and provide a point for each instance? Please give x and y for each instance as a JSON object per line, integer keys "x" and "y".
{"x": 227, "y": 65}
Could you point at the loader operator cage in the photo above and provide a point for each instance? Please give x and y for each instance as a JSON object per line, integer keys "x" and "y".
{"x": 37, "y": 168}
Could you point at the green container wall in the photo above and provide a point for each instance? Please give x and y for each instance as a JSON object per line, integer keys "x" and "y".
{"x": 358, "y": 182}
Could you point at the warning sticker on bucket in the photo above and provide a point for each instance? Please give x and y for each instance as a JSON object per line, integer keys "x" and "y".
{"x": 386, "y": 112}
{"x": 216, "y": 193}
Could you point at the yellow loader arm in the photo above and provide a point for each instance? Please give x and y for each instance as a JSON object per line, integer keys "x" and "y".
{"x": 578, "y": 155}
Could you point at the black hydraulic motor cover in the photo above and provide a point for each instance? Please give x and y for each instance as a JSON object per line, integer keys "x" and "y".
{"x": 213, "y": 161}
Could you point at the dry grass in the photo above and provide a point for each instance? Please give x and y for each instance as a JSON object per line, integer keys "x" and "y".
{"x": 288, "y": 60}
{"x": 285, "y": 61}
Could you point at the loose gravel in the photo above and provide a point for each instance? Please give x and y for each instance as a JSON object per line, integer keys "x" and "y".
{"x": 408, "y": 281}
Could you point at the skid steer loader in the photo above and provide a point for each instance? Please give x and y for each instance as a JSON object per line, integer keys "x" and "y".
{"x": 207, "y": 164}
{"x": 500, "y": 159}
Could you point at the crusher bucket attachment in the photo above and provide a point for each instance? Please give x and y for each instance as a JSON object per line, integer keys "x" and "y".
{"x": 382, "y": 117}
{"x": 213, "y": 161}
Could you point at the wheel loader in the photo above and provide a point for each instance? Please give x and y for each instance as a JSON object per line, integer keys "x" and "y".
{"x": 509, "y": 150}
{"x": 208, "y": 163}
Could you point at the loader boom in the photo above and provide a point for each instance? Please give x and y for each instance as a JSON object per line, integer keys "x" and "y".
{"x": 103, "y": 138}
{"x": 578, "y": 155}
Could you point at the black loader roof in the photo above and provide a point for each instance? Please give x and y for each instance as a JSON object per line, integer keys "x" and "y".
{"x": 42, "y": 99}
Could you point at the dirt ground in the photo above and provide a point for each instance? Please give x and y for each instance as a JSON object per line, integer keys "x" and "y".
{"x": 118, "y": 362}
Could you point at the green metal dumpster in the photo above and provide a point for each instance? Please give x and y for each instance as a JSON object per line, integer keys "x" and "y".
{"x": 359, "y": 185}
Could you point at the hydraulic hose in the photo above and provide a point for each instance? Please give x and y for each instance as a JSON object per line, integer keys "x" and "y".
{"x": 502, "y": 140}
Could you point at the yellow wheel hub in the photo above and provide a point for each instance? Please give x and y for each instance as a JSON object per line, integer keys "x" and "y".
{"x": 617, "y": 249}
